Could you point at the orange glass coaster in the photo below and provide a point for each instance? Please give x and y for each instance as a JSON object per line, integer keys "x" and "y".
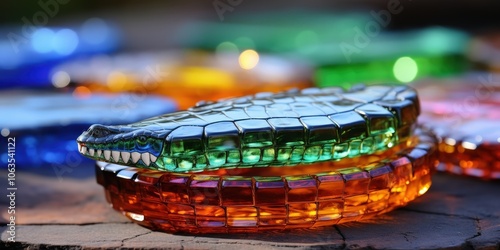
{"x": 188, "y": 76}
{"x": 466, "y": 118}
{"x": 271, "y": 199}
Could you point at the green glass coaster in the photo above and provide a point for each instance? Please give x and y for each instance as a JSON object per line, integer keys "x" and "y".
{"x": 391, "y": 57}
{"x": 399, "y": 70}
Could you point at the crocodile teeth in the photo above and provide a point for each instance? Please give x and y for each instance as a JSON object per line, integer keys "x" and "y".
{"x": 135, "y": 157}
{"x": 145, "y": 158}
{"x": 99, "y": 153}
{"x": 84, "y": 150}
{"x": 125, "y": 156}
{"x": 91, "y": 151}
{"x": 79, "y": 147}
{"x": 116, "y": 155}
{"x": 153, "y": 158}
{"x": 107, "y": 154}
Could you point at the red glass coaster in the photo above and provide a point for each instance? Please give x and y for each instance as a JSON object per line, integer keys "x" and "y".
{"x": 466, "y": 118}
{"x": 272, "y": 198}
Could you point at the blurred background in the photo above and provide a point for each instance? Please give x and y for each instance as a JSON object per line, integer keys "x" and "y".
{"x": 66, "y": 64}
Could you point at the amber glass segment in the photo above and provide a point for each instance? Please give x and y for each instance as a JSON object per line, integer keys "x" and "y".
{"x": 215, "y": 202}
{"x": 242, "y": 216}
{"x": 272, "y": 216}
{"x": 301, "y": 188}
{"x": 146, "y": 183}
{"x": 269, "y": 190}
{"x": 174, "y": 188}
{"x": 329, "y": 212}
{"x": 330, "y": 186}
{"x": 236, "y": 191}
{"x": 204, "y": 190}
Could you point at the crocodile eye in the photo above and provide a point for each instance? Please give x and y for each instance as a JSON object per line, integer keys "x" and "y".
{"x": 98, "y": 133}
{"x": 141, "y": 142}
{"x": 142, "y": 139}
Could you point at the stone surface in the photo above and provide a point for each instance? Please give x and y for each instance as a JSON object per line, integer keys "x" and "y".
{"x": 49, "y": 200}
{"x": 407, "y": 230}
{"x": 461, "y": 196}
{"x": 488, "y": 233}
{"x": 457, "y": 212}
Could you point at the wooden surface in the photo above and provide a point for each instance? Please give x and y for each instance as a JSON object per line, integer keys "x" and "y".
{"x": 457, "y": 212}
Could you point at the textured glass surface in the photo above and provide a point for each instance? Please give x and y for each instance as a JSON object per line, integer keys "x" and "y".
{"x": 282, "y": 129}
{"x": 269, "y": 198}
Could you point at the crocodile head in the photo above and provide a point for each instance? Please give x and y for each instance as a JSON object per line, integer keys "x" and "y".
{"x": 125, "y": 145}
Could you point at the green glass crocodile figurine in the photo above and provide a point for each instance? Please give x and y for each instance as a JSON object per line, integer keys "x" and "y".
{"x": 266, "y": 129}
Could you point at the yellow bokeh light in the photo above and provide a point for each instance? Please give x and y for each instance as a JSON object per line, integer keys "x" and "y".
{"x": 117, "y": 81}
{"x": 405, "y": 69}
{"x": 204, "y": 77}
{"x": 248, "y": 59}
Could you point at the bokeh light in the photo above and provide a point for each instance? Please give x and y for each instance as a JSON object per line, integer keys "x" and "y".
{"x": 65, "y": 41}
{"x": 82, "y": 92}
{"x": 40, "y": 40}
{"x": 95, "y": 31}
{"x": 249, "y": 59}
{"x": 116, "y": 81}
{"x": 5, "y": 132}
{"x": 227, "y": 47}
{"x": 405, "y": 69}
{"x": 205, "y": 77}
{"x": 60, "y": 79}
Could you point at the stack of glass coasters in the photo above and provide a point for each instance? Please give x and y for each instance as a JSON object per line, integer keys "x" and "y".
{"x": 296, "y": 159}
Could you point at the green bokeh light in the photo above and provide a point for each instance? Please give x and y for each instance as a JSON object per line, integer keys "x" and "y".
{"x": 405, "y": 69}
{"x": 227, "y": 47}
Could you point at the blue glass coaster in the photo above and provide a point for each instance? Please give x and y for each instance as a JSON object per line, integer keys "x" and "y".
{"x": 46, "y": 124}
{"x": 29, "y": 53}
